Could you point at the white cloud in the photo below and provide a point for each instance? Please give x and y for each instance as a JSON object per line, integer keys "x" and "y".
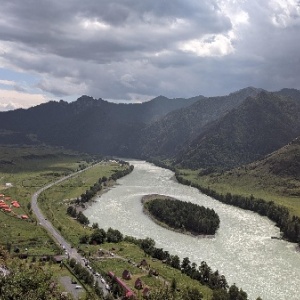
{"x": 209, "y": 45}
{"x": 117, "y": 49}
{"x": 7, "y": 82}
{"x": 285, "y": 13}
{"x": 10, "y": 99}
{"x": 94, "y": 24}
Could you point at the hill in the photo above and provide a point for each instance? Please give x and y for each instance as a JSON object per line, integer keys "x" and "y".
{"x": 273, "y": 178}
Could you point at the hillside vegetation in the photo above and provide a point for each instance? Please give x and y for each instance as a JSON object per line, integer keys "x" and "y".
{"x": 274, "y": 178}
{"x": 257, "y": 127}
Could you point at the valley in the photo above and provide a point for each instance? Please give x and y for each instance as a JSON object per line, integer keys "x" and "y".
{"x": 245, "y": 144}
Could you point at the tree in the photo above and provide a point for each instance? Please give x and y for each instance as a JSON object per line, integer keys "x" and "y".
{"x": 82, "y": 218}
{"x": 236, "y": 294}
{"x": 95, "y": 225}
{"x": 26, "y": 282}
{"x": 72, "y": 262}
{"x": 220, "y": 294}
{"x": 233, "y": 292}
{"x": 98, "y": 236}
{"x": 192, "y": 294}
{"x": 114, "y": 236}
{"x": 148, "y": 245}
{"x": 175, "y": 262}
{"x": 186, "y": 265}
{"x": 72, "y": 211}
{"x": 84, "y": 239}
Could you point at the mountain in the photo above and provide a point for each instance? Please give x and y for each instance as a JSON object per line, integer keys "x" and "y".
{"x": 258, "y": 126}
{"x": 86, "y": 124}
{"x": 216, "y": 132}
{"x": 170, "y": 134}
{"x": 291, "y": 93}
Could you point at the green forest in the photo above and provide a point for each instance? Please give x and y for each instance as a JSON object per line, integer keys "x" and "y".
{"x": 183, "y": 216}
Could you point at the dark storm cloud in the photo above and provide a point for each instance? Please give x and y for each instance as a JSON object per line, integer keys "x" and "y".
{"x": 129, "y": 49}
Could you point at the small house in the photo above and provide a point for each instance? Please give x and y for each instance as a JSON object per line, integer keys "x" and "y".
{"x": 143, "y": 263}
{"x": 126, "y": 275}
{"x": 138, "y": 284}
{"x": 146, "y": 292}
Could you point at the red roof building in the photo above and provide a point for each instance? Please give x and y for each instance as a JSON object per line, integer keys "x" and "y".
{"x": 128, "y": 293}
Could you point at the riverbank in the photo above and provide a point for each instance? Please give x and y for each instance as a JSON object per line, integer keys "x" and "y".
{"x": 151, "y": 197}
{"x": 241, "y": 244}
{"x": 92, "y": 201}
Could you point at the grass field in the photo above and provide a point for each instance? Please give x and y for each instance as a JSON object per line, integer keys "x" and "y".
{"x": 54, "y": 201}
{"x": 244, "y": 183}
{"x": 25, "y": 170}
{"x": 130, "y": 252}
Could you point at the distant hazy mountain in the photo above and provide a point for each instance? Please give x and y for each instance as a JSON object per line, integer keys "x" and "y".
{"x": 217, "y": 132}
{"x": 86, "y": 124}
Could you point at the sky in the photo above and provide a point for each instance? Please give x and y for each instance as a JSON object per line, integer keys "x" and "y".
{"x": 126, "y": 50}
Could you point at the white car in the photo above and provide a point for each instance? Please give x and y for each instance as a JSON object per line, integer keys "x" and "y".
{"x": 78, "y": 287}
{"x": 102, "y": 280}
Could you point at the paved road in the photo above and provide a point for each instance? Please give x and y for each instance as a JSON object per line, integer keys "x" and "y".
{"x": 65, "y": 246}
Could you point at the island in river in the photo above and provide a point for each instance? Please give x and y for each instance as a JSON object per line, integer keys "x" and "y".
{"x": 181, "y": 216}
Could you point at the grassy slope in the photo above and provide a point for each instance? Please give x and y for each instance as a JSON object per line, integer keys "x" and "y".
{"x": 125, "y": 251}
{"x": 29, "y": 168}
{"x": 54, "y": 201}
{"x": 274, "y": 178}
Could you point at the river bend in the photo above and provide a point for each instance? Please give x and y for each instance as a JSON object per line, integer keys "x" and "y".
{"x": 242, "y": 249}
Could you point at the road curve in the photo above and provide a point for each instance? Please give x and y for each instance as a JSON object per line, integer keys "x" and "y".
{"x": 59, "y": 239}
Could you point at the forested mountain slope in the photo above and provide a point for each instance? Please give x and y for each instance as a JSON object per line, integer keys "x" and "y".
{"x": 259, "y": 126}
{"x": 167, "y": 136}
{"x": 87, "y": 124}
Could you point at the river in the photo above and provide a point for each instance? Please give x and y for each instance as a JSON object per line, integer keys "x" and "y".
{"x": 242, "y": 248}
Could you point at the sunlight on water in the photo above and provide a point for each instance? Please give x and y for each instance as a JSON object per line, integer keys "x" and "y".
{"x": 242, "y": 249}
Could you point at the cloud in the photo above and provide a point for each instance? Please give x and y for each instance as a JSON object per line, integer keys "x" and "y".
{"x": 209, "y": 45}
{"x": 7, "y": 82}
{"x": 10, "y": 99}
{"x": 117, "y": 49}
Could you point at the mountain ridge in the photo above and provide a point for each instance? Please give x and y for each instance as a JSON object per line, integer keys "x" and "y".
{"x": 200, "y": 132}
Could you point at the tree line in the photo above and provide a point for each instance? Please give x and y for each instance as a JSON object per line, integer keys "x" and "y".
{"x": 93, "y": 190}
{"x": 289, "y": 226}
{"x": 100, "y": 236}
{"x": 202, "y": 273}
{"x": 97, "y": 187}
{"x": 185, "y": 216}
